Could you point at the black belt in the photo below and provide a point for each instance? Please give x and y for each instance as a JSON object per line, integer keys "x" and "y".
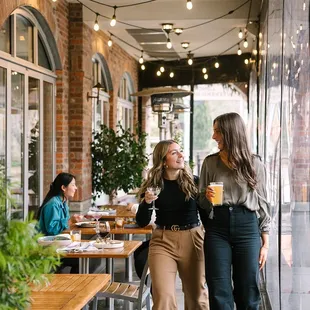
{"x": 177, "y": 227}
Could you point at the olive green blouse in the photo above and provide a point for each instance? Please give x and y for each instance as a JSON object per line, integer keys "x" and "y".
{"x": 214, "y": 170}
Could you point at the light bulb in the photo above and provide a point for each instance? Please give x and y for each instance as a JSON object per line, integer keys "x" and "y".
{"x": 240, "y": 34}
{"x": 96, "y": 25}
{"x": 189, "y": 4}
{"x": 216, "y": 65}
{"x": 254, "y": 51}
{"x": 171, "y": 74}
{"x": 141, "y": 60}
{"x": 206, "y": 76}
{"x": 204, "y": 70}
{"x": 245, "y": 43}
{"x": 113, "y": 21}
{"x": 110, "y": 43}
{"x": 169, "y": 44}
{"x": 246, "y": 61}
{"x": 239, "y": 51}
{"x": 142, "y": 67}
{"x": 158, "y": 73}
{"x": 300, "y": 27}
{"x": 185, "y": 45}
{"x": 304, "y": 6}
{"x": 190, "y": 61}
{"x": 54, "y": 0}
{"x": 162, "y": 69}
{"x": 246, "y": 85}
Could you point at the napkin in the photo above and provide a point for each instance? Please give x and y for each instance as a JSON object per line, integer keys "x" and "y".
{"x": 76, "y": 247}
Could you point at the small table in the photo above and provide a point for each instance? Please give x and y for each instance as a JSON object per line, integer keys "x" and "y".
{"x": 121, "y": 211}
{"x": 147, "y": 230}
{"x": 125, "y": 252}
{"x": 67, "y": 291}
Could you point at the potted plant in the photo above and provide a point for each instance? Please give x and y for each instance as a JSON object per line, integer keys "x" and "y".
{"x": 118, "y": 160}
{"x": 23, "y": 261}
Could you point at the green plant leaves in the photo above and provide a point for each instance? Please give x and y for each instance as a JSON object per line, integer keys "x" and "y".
{"x": 118, "y": 159}
{"x": 22, "y": 259}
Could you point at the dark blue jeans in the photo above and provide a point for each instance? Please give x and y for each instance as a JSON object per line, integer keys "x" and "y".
{"x": 232, "y": 245}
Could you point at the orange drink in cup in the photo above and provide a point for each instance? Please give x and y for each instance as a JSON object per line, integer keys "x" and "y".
{"x": 217, "y": 200}
{"x": 119, "y": 222}
{"x": 75, "y": 235}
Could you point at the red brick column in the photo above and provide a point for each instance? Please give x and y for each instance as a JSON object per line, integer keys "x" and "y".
{"x": 80, "y": 110}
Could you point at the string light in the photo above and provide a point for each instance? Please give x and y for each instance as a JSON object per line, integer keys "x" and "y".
{"x": 171, "y": 74}
{"x": 158, "y": 73}
{"x": 189, "y": 4}
{"x": 54, "y": 0}
{"x": 205, "y": 76}
{"x": 96, "y": 25}
{"x": 142, "y": 67}
{"x": 113, "y": 20}
{"x": 240, "y": 34}
{"x": 162, "y": 69}
{"x": 239, "y": 52}
{"x": 217, "y": 65}
{"x": 204, "y": 70}
{"x": 169, "y": 44}
{"x": 141, "y": 60}
{"x": 190, "y": 58}
{"x": 300, "y": 27}
{"x": 245, "y": 43}
{"x": 246, "y": 61}
{"x": 110, "y": 42}
{"x": 304, "y": 6}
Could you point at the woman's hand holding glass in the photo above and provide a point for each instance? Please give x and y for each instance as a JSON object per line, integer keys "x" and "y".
{"x": 151, "y": 195}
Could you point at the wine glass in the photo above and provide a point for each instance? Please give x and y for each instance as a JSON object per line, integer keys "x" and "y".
{"x": 94, "y": 212}
{"x": 155, "y": 190}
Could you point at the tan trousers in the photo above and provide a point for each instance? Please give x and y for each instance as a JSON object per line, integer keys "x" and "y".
{"x": 182, "y": 251}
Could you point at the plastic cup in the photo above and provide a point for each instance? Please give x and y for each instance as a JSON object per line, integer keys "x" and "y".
{"x": 217, "y": 200}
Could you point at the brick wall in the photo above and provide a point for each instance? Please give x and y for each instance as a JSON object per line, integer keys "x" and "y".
{"x": 76, "y": 44}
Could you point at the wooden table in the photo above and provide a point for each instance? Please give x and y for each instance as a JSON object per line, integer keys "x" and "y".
{"x": 121, "y": 211}
{"x": 115, "y": 231}
{"x": 125, "y": 252}
{"x": 67, "y": 291}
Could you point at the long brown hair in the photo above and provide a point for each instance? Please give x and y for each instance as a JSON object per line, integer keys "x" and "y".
{"x": 155, "y": 174}
{"x": 240, "y": 158}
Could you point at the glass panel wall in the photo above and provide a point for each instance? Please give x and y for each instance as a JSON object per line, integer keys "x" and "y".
{"x": 3, "y": 104}
{"x": 5, "y": 42}
{"x": 48, "y": 136}
{"x": 33, "y": 141}
{"x": 24, "y": 38}
{"x": 285, "y": 146}
{"x": 16, "y": 143}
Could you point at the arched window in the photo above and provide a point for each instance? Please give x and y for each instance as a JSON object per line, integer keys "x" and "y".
{"x": 125, "y": 102}
{"x": 101, "y": 75}
{"x": 27, "y": 108}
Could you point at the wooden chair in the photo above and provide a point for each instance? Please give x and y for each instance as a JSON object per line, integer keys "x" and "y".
{"x": 128, "y": 292}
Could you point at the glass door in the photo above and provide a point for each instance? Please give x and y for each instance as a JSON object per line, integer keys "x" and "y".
{"x": 27, "y": 135}
{"x": 16, "y": 146}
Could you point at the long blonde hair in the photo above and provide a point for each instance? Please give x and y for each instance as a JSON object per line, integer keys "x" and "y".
{"x": 155, "y": 175}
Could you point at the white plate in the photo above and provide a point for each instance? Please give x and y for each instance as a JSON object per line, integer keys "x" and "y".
{"x": 89, "y": 224}
{"x": 50, "y": 240}
{"x": 114, "y": 244}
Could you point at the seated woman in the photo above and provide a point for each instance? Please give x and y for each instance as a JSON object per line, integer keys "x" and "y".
{"x": 53, "y": 215}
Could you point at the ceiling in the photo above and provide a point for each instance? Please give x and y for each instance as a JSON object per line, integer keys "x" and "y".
{"x": 143, "y": 26}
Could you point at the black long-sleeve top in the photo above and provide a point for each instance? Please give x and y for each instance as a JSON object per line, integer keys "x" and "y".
{"x": 173, "y": 209}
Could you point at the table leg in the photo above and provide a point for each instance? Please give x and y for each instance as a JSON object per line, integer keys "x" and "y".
{"x": 84, "y": 265}
{"x": 128, "y": 262}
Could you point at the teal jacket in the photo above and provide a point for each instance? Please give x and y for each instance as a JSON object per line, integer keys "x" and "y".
{"x": 54, "y": 217}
